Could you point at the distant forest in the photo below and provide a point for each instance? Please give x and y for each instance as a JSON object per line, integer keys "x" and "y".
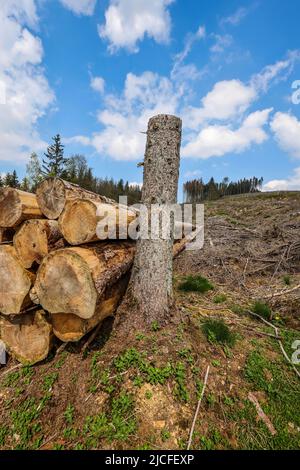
{"x": 197, "y": 191}
{"x": 76, "y": 170}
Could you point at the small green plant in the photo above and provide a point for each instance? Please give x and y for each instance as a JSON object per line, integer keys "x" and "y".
{"x": 69, "y": 414}
{"x": 215, "y": 363}
{"x": 148, "y": 395}
{"x": 139, "y": 336}
{"x": 50, "y": 380}
{"x": 155, "y": 326}
{"x": 180, "y": 376}
{"x": 165, "y": 435}
{"x": 287, "y": 280}
{"x": 235, "y": 308}
{"x": 195, "y": 284}
{"x": 262, "y": 309}
{"x": 216, "y": 331}
{"x": 219, "y": 299}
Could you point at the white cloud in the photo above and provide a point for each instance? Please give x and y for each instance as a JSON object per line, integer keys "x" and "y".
{"x": 277, "y": 72}
{"x": 135, "y": 183}
{"x": 80, "y": 7}
{"x": 125, "y": 118}
{"x": 98, "y": 84}
{"x": 227, "y": 99}
{"x": 236, "y": 18}
{"x": 27, "y": 92}
{"x": 289, "y": 184}
{"x": 129, "y": 21}
{"x": 221, "y": 43}
{"x": 24, "y": 11}
{"x": 216, "y": 141}
{"x": 286, "y": 128}
{"x": 192, "y": 174}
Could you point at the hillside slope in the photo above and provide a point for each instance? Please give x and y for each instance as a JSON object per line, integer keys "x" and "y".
{"x": 143, "y": 393}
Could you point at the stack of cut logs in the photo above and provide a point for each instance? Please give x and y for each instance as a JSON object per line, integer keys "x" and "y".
{"x": 57, "y": 279}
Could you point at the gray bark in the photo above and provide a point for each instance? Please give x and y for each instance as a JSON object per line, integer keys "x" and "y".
{"x": 150, "y": 292}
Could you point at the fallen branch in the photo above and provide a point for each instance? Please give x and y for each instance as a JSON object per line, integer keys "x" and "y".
{"x": 278, "y": 339}
{"x": 197, "y": 410}
{"x": 262, "y": 415}
{"x": 283, "y": 292}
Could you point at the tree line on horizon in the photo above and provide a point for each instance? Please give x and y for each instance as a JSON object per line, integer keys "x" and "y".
{"x": 74, "y": 169}
{"x": 197, "y": 190}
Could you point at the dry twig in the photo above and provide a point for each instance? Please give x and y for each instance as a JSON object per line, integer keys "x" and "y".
{"x": 197, "y": 410}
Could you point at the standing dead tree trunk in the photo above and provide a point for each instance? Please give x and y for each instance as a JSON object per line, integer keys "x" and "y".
{"x": 149, "y": 297}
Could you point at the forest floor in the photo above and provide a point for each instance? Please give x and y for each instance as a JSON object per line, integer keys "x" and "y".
{"x": 145, "y": 396}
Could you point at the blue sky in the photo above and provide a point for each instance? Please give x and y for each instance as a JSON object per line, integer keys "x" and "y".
{"x": 96, "y": 70}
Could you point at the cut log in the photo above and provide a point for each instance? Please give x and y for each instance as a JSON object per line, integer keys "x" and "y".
{"x": 68, "y": 327}
{"x": 35, "y": 239}
{"x": 73, "y": 279}
{"x": 53, "y": 193}
{"x": 27, "y": 337}
{"x": 15, "y": 282}
{"x": 80, "y": 218}
{"x": 17, "y": 206}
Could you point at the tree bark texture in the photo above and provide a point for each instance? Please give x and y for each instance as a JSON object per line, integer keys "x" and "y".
{"x": 150, "y": 293}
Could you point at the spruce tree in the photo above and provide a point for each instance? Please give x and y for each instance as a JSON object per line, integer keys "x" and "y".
{"x": 54, "y": 163}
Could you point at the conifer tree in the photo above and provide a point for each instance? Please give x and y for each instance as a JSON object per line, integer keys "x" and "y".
{"x": 54, "y": 162}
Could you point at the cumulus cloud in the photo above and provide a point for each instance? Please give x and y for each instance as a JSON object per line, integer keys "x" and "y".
{"x": 125, "y": 118}
{"x": 290, "y": 184}
{"x": 98, "y": 84}
{"x": 216, "y": 140}
{"x": 227, "y": 99}
{"x": 286, "y": 128}
{"x": 26, "y": 90}
{"x": 128, "y": 21}
{"x": 80, "y": 7}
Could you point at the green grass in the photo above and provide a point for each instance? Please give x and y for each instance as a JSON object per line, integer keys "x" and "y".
{"x": 280, "y": 386}
{"x": 195, "y": 284}
{"x": 287, "y": 280}
{"x": 262, "y": 309}
{"x": 219, "y": 299}
{"x": 216, "y": 331}
{"x": 69, "y": 414}
{"x": 117, "y": 424}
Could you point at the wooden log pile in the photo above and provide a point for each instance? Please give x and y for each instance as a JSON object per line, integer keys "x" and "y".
{"x": 57, "y": 279}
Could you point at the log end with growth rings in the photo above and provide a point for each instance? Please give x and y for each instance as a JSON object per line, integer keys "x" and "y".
{"x": 51, "y": 196}
{"x": 64, "y": 284}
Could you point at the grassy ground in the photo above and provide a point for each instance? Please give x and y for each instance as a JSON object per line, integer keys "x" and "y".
{"x": 144, "y": 396}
